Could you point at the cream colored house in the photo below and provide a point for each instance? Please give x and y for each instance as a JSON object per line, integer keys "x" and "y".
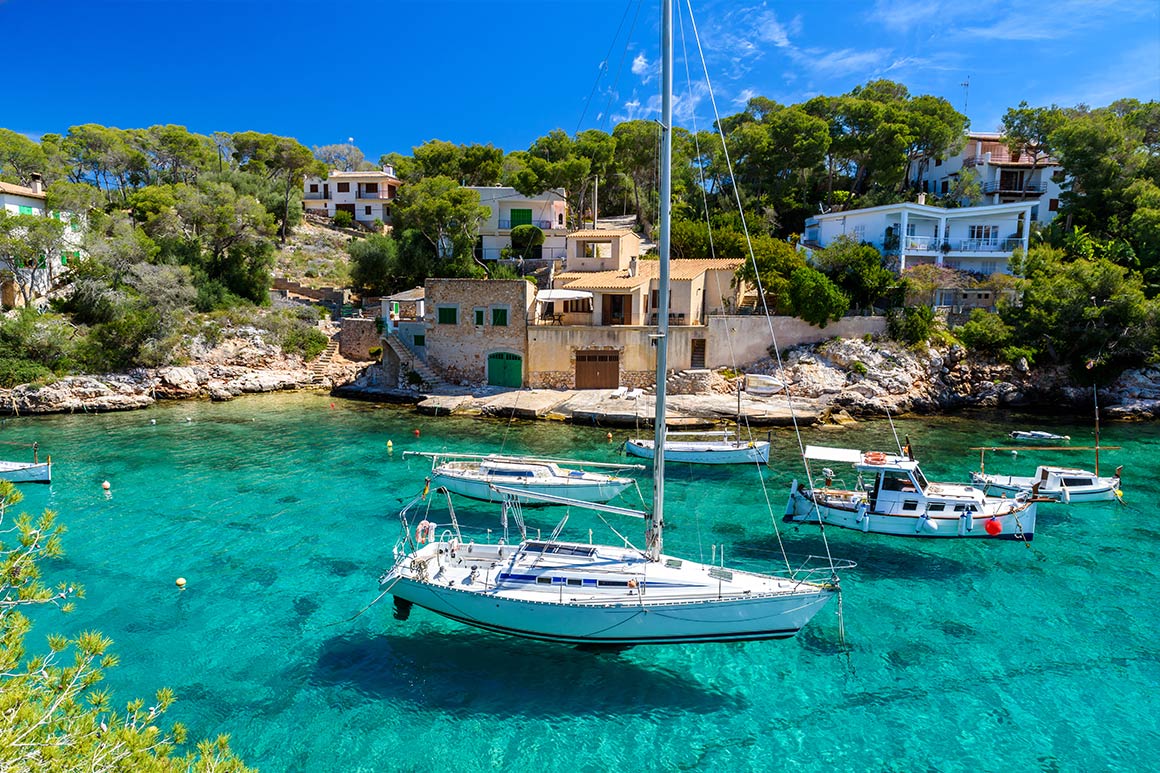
{"x": 367, "y": 196}
{"x": 22, "y": 200}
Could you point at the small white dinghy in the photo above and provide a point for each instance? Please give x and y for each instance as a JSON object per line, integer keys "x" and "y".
{"x": 475, "y": 475}
{"x": 35, "y": 471}
{"x": 1037, "y": 436}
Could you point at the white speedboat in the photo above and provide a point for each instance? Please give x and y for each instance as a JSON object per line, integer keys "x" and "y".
{"x": 35, "y": 471}
{"x": 712, "y": 448}
{"x": 474, "y": 475}
{"x": 1038, "y": 436}
{"x": 1061, "y": 484}
{"x": 603, "y": 595}
{"x": 891, "y": 496}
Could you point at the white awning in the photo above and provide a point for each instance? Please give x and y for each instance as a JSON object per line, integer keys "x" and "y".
{"x": 828, "y": 454}
{"x": 562, "y": 295}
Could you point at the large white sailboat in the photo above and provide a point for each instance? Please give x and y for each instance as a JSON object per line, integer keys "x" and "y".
{"x": 602, "y": 595}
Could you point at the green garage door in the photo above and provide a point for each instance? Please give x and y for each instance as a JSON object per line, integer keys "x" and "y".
{"x": 505, "y": 369}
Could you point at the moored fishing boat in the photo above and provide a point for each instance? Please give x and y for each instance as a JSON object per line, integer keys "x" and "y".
{"x": 1060, "y": 484}
{"x": 35, "y": 471}
{"x": 710, "y": 448}
{"x": 474, "y": 475}
{"x": 892, "y": 496}
{"x": 1037, "y": 436}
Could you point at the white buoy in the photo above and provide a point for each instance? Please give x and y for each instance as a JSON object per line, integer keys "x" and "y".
{"x": 153, "y": 421}
{"x": 106, "y": 485}
{"x": 180, "y": 583}
{"x": 188, "y": 419}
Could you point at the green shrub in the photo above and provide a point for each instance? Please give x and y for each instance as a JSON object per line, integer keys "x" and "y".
{"x": 343, "y": 219}
{"x": 1011, "y": 354}
{"x": 984, "y": 332}
{"x": 14, "y": 372}
{"x": 859, "y": 368}
{"x": 911, "y": 325}
{"x": 502, "y": 271}
{"x": 307, "y": 341}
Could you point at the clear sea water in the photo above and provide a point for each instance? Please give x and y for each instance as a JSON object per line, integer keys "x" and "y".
{"x": 280, "y": 512}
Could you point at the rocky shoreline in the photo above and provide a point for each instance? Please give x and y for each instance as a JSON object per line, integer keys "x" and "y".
{"x": 829, "y": 382}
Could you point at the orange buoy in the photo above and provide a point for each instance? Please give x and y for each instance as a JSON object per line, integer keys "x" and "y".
{"x": 416, "y": 433}
{"x": 993, "y": 527}
{"x": 106, "y": 485}
{"x": 609, "y": 436}
{"x": 180, "y": 583}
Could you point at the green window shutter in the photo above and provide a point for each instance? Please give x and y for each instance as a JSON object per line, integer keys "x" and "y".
{"x": 74, "y": 225}
{"x": 521, "y": 217}
{"x": 499, "y": 317}
{"x": 420, "y": 340}
{"x": 25, "y": 210}
{"x": 479, "y": 317}
{"x": 448, "y": 315}
{"x": 56, "y": 216}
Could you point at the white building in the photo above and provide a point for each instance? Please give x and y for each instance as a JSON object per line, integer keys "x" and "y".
{"x": 1005, "y": 177}
{"x": 21, "y": 200}
{"x": 547, "y": 211}
{"x": 367, "y": 196}
{"x": 979, "y": 239}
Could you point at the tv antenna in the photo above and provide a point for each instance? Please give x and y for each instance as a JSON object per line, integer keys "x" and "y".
{"x": 966, "y": 92}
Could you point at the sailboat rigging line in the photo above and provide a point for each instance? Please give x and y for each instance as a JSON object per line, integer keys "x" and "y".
{"x": 604, "y": 64}
{"x": 897, "y": 442}
{"x": 620, "y": 67}
{"x": 760, "y": 290}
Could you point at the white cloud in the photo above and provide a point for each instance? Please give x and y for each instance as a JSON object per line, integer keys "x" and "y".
{"x": 640, "y": 65}
{"x": 744, "y": 96}
{"x": 770, "y": 30}
{"x": 847, "y": 61}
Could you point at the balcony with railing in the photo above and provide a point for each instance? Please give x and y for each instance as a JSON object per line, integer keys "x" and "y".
{"x": 931, "y": 244}
{"x": 543, "y": 225}
{"x": 379, "y": 195}
{"x": 544, "y": 253}
{"x": 1004, "y": 186}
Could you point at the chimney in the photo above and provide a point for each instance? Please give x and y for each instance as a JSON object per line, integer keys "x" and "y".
{"x": 922, "y": 198}
{"x": 632, "y": 266}
{"x": 36, "y": 183}
{"x": 389, "y": 169}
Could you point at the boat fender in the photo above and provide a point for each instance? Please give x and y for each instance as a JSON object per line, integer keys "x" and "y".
{"x": 926, "y": 524}
{"x": 864, "y": 517}
{"x": 874, "y": 457}
{"x": 1065, "y": 495}
{"x": 994, "y": 528}
{"x": 969, "y": 516}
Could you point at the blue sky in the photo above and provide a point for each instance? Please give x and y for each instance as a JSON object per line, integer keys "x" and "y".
{"x": 392, "y": 75}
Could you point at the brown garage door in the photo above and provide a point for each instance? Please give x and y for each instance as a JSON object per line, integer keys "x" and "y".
{"x": 597, "y": 370}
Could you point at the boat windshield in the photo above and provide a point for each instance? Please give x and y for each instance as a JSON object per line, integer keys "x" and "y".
{"x": 921, "y": 479}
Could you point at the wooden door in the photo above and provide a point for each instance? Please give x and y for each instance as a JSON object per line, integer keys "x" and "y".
{"x": 597, "y": 370}
{"x": 697, "y": 356}
{"x": 505, "y": 369}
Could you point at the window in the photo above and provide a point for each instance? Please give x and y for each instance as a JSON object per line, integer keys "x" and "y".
{"x": 579, "y": 306}
{"x": 938, "y": 162}
{"x": 984, "y": 232}
{"x": 367, "y": 210}
{"x": 314, "y": 187}
{"x": 371, "y": 187}
{"x": 1053, "y": 205}
{"x": 911, "y": 229}
{"x": 480, "y": 313}
{"x": 419, "y": 340}
{"x": 860, "y": 233}
{"x": 945, "y": 186}
{"x": 521, "y": 217}
{"x": 910, "y": 504}
{"x": 342, "y": 187}
{"x": 990, "y": 266}
{"x": 560, "y": 219}
{"x": 390, "y": 191}
{"x": 74, "y": 224}
{"x": 499, "y": 316}
{"x": 447, "y": 315}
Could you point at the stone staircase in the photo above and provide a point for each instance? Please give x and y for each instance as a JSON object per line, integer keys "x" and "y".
{"x": 410, "y": 361}
{"x": 322, "y": 362}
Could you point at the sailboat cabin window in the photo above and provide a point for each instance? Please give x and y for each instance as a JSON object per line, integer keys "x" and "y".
{"x": 1070, "y": 482}
{"x": 896, "y": 481}
{"x": 935, "y": 508}
{"x": 910, "y": 504}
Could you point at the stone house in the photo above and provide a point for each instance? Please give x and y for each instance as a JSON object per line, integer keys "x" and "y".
{"x": 477, "y": 329}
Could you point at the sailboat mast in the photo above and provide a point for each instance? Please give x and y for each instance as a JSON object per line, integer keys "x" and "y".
{"x": 655, "y": 536}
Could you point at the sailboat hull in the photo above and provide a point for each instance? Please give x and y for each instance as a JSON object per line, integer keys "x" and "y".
{"x": 480, "y": 488}
{"x": 583, "y": 595}
{"x": 703, "y": 452}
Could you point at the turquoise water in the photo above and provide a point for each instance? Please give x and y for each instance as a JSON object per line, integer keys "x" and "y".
{"x": 279, "y": 511}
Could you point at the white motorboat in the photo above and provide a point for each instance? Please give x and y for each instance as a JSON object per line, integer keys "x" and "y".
{"x": 891, "y": 496}
{"x": 1060, "y": 484}
{"x": 711, "y": 448}
{"x": 1038, "y": 436}
{"x": 35, "y": 471}
{"x": 474, "y": 475}
{"x": 602, "y": 595}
